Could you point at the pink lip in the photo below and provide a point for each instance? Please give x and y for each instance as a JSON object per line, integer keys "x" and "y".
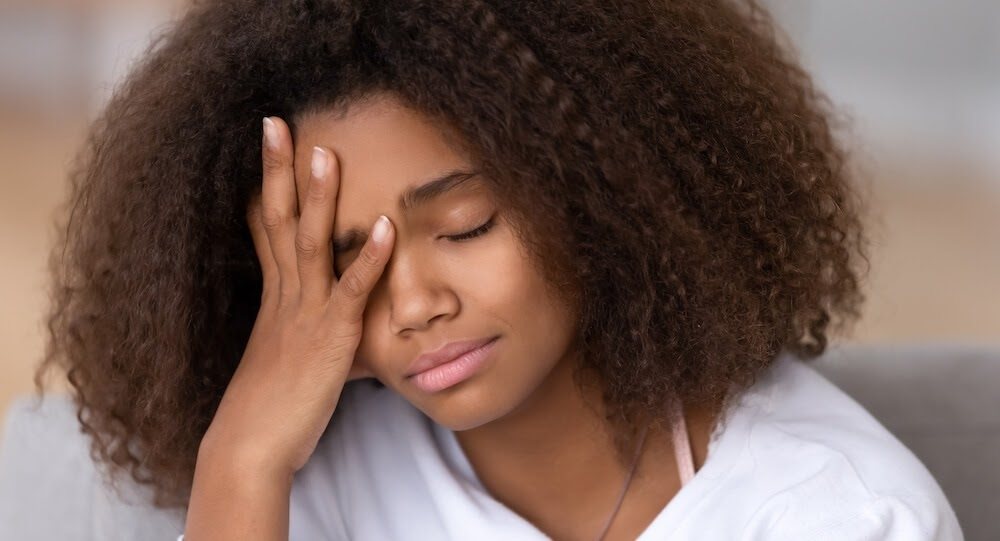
{"x": 459, "y": 369}
{"x": 445, "y": 354}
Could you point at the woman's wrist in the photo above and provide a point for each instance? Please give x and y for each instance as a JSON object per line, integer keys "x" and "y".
{"x": 235, "y": 494}
{"x": 245, "y": 459}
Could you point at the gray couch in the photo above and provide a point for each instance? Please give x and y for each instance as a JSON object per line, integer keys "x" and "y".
{"x": 941, "y": 400}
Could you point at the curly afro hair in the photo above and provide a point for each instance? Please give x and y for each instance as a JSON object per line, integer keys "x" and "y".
{"x": 672, "y": 169}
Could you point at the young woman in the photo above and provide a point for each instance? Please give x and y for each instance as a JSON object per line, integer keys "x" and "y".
{"x": 488, "y": 270}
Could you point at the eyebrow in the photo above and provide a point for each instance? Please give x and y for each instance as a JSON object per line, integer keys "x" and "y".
{"x": 410, "y": 199}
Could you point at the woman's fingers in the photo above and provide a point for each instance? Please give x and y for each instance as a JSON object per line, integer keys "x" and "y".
{"x": 300, "y": 245}
{"x": 279, "y": 210}
{"x": 268, "y": 266}
{"x": 312, "y": 241}
{"x": 351, "y": 291}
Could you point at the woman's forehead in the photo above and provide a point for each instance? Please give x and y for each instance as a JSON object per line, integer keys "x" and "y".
{"x": 390, "y": 160}
{"x": 379, "y": 151}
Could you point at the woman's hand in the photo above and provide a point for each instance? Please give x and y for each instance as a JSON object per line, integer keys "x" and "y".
{"x": 302, "y": 346}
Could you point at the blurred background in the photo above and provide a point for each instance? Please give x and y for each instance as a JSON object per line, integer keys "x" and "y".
{"x": 919, "y": 81}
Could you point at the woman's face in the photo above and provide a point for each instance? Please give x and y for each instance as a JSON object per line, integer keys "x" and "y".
{"x": 434, "y": 289}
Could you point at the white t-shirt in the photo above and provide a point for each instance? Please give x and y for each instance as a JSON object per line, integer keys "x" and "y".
{"x": 796, "y": 459}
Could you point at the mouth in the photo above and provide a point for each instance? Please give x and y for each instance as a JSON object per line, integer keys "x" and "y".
{"x": 449, "y": 373}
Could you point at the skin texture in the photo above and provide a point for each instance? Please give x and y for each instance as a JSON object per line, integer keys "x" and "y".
{"x": 670, "y": 170}
{"x": 436, "y": 290}
{"x": 521, "y": 414}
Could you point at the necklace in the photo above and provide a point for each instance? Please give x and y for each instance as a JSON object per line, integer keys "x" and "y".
{"x": 628, "y": 479}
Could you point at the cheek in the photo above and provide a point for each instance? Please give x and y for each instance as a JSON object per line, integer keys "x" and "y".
{"x": 511, "y": 289}
{"x": 496, "y": 277}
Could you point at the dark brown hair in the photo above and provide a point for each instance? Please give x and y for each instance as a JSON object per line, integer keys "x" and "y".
{"x": 673, "y": 163}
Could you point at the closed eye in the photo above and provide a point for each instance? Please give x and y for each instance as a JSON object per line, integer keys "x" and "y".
{"x": 475, "y": 232}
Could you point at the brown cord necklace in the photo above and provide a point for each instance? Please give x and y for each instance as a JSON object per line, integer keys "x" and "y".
{"x": 628, "y": 479}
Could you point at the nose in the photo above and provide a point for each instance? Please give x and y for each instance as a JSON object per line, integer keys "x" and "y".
{"x": 418, "y": 293}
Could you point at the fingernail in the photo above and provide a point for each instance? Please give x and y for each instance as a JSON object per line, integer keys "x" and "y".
{"x": 318, "y": 162}
{"x": 381, "y": 229}
{"x": 270, "y": 134}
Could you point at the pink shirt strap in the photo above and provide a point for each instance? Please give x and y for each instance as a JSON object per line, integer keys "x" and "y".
{"x": 682, "y": 445}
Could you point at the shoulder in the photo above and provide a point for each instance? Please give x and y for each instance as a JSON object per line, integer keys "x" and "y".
{"x": 887, "y": 517}
{"x": 823, "y": 467}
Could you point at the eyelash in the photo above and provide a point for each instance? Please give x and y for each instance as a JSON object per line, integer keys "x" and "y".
{"x": 461, "y": 237}
{"x": 479, "y": 231}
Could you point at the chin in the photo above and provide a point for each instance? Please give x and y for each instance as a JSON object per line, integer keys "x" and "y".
{"x": 467, "y": 406}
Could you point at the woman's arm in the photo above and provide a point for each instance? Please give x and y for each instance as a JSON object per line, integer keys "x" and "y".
{"x": 237, "y": 498}
{"x": 300, "y": 353}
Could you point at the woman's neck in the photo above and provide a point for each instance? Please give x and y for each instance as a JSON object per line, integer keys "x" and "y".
{"x": 552, "y": 461}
